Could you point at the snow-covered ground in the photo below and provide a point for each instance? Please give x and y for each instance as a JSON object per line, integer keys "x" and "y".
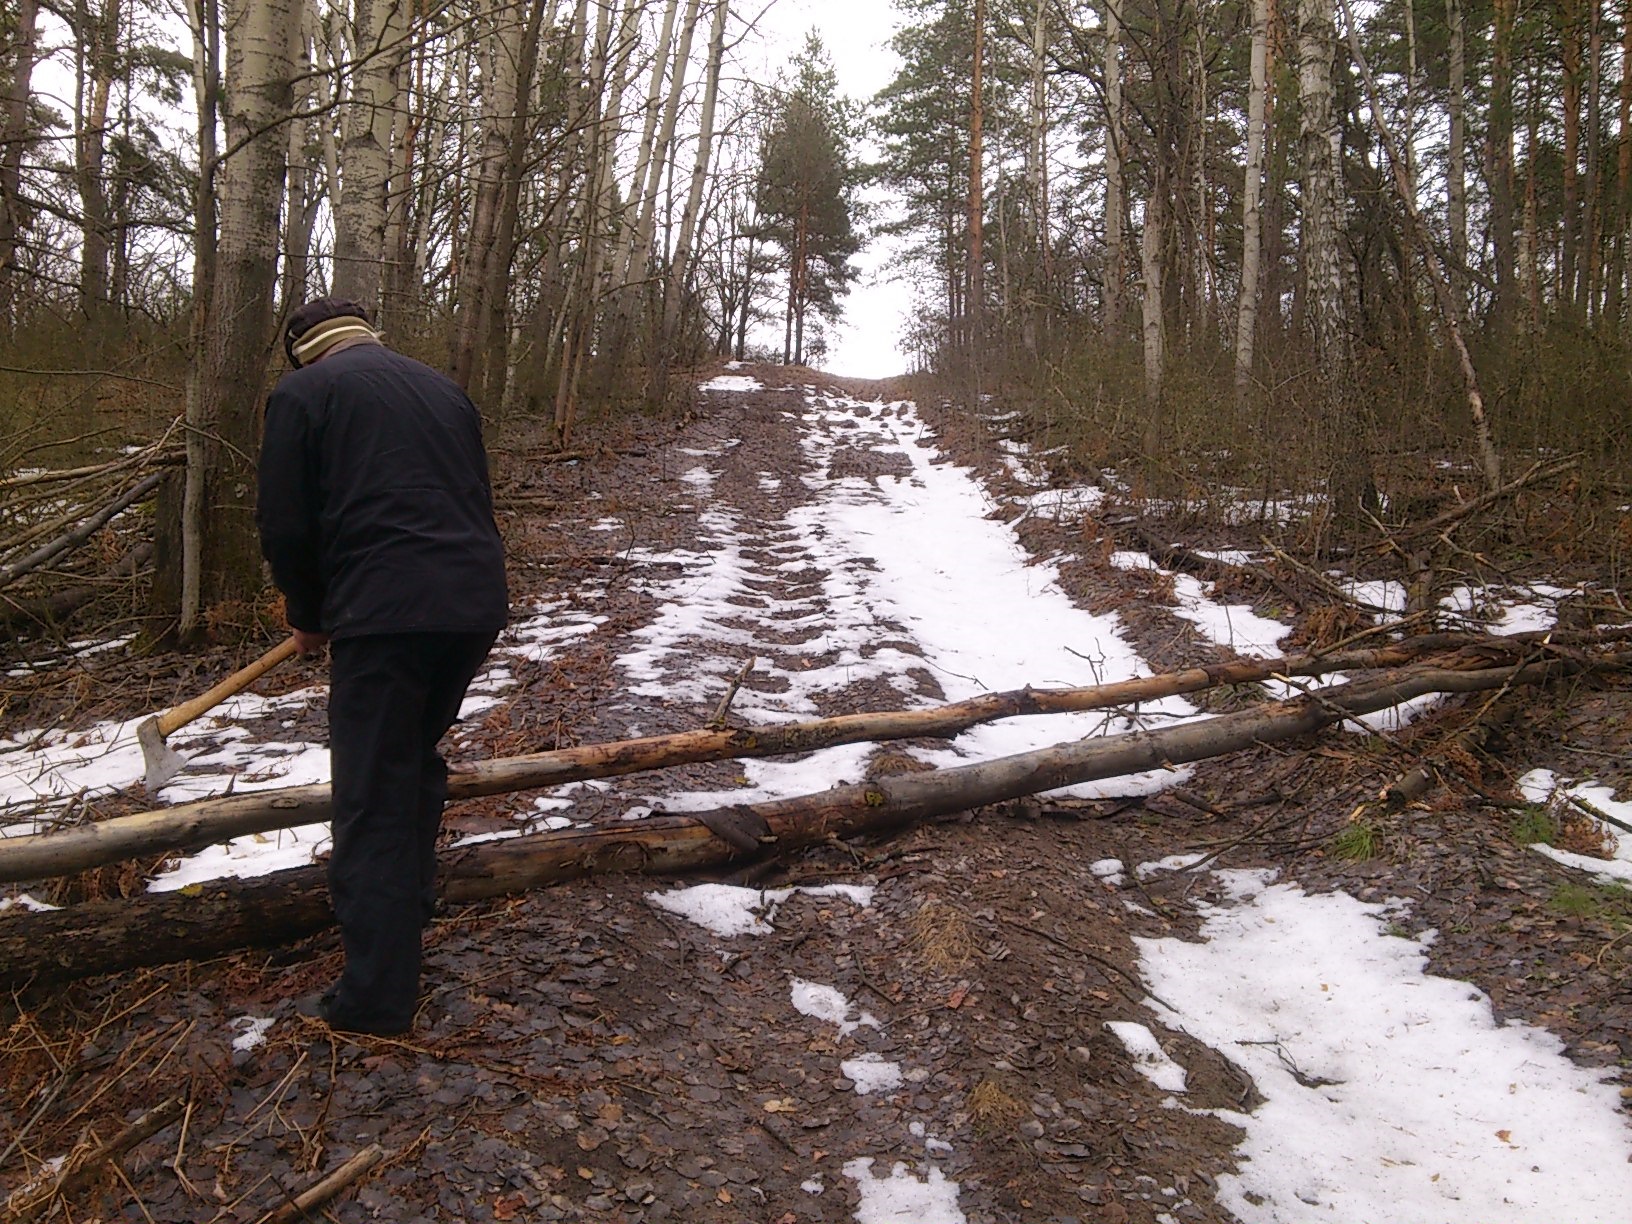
{"x": 1388, "y": 1094}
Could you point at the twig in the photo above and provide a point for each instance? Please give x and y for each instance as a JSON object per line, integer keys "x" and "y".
{"x": 326, "y": 1188}
{"x": 724, "y": 708}
{"x": 79, "y": 1170}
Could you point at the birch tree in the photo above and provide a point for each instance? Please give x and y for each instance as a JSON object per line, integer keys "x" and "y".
{"x": 1115, "y": 191}
{"x": 375, "y": 45}
{"x": 238, "y": 341}
{"x": 1246, "y": 327}
{"x": 675, "y": 288}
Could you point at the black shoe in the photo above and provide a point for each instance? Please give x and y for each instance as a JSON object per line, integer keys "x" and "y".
{"x": 342, "y": 1021}
{"x": 325, "y": 1008}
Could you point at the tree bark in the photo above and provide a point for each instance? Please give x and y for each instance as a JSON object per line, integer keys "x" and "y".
{"x": 1499, "y": 159}
{"x": 680, "y": 258}
{"x": 241, "y": 337}
{"x": 205, "y": 822}
{"x": 1152, "y": 239}
{"x": 1115, "y": 191}
{"x": 376, "y": 48}
{"x": 1456, "y": 174}
{"x": 14, "y": 213}
{"x": 502, "y": 48}
{"x": 1246, "y": 323}
{"x": 102, "y": 936}
{"x": 975, "y": 268}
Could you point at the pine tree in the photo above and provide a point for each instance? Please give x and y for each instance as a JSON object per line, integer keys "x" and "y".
{"x": 805, "y": 192}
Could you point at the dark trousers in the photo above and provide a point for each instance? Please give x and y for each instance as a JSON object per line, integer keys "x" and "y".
{"x": 391, "y": 697}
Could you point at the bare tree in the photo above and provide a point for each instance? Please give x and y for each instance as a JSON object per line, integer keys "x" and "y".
{"x": 1246, "y": 326}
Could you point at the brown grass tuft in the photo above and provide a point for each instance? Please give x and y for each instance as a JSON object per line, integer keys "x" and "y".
{"x": 993, "y": 1108}
{"x": 941, "y": 937}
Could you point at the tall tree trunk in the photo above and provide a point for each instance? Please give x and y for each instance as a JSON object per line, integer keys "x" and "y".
{"x": 241, "y": 336}
{"x": 1115, "y": 191}
{"x": 1152, "y": 242}
{"x": 1529, "y": 246}
{"x": 304, "y": 178}
{"x": 14, "y": 212}
{"x": 179, "y": 581}
{"x": 1591, "y": 277}
{"x": 1456, "y": 174}
{"x": 402, "y": 293}
{"x": 97, "y": 50}
{"x": 1569, "y": 39}
{"x": 1623, "y": 175}
{"x": 1499, "y": 166}
{"x": 1346, "y": 457}
{"x": 1039, "y": 291}
{"x": 1246, "y": 322}
{"x": 638, "y": 265}
{"x": 975, "y": 267}
{"x": 680, "y": 259}
{"x": 502, "y": 44}
{"x": 493, "y": 328}
{"x": 647, "y": 153}
{"x": 377, "y": 45}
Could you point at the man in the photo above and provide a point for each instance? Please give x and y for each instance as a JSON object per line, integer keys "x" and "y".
{"x": 376, "y": 516}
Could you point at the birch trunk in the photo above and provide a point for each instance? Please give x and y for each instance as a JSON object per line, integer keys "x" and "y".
{"x": 1344, "y": 438}
{"x": 377, "y": 45}
{"x": 1456, "y": 174}
{"x": 1246, "y": 322}
{"x": 1499, "y": 157}
{"x": 502, "y": 48}
{"x": 638, "y": 266}
{"x": 1040, "y": 289}
{"x": 646, "y": 152}
{"x": 241, "y": 337}
{"x": 1115, "y": 192}
{"x": 680, "y": 259}
{"x": 1591, "y": 277}
{"x": 1623, "y": 175}
{"x": 975, "y": 268}
{"x": 304, "y": 178}
{"x": 1151, "y": 243}
{"x": 1569, "y": 38}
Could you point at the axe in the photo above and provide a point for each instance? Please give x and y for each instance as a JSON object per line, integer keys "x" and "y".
{"x": 163, "y": 761}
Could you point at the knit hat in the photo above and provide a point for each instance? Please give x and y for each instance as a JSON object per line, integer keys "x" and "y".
{"x": 319, "y": 325}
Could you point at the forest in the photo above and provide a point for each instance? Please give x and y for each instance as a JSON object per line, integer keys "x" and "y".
{"x": 1371, "y": 253}
{"x": 1131, "y": 765}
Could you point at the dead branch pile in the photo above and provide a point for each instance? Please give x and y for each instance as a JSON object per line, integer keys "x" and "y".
{"x": 48, "y": 516}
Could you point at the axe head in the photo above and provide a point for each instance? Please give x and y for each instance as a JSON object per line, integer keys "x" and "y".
{"x": 163, "y": 762}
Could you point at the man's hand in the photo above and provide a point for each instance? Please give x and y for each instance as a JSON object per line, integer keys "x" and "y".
{"x": 310, "y": 643}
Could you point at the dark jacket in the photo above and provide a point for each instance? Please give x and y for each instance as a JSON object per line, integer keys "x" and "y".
{"x": 374, "y": 508}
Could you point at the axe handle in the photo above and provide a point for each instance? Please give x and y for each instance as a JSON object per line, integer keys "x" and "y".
{"x": 181, "y": 715}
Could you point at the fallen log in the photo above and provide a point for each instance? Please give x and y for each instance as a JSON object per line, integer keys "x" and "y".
{"x": 206, "y": 822}
{"x": 161, "y": 928}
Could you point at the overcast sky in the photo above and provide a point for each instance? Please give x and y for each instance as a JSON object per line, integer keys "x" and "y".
{"x": 856, "y": 33}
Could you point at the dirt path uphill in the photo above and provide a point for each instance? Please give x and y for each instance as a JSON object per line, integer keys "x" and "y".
{"x": 939, "y": 1027}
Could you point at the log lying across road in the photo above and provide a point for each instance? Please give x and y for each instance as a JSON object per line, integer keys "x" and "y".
{"x": 101, "y": 936}
{"x": 206, "y": 822}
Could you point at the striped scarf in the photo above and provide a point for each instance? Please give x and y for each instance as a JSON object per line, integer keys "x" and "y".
{"x": 321, "y": 337}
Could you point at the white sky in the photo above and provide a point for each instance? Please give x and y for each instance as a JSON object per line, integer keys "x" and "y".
{"x": 1363, "y": 1058}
